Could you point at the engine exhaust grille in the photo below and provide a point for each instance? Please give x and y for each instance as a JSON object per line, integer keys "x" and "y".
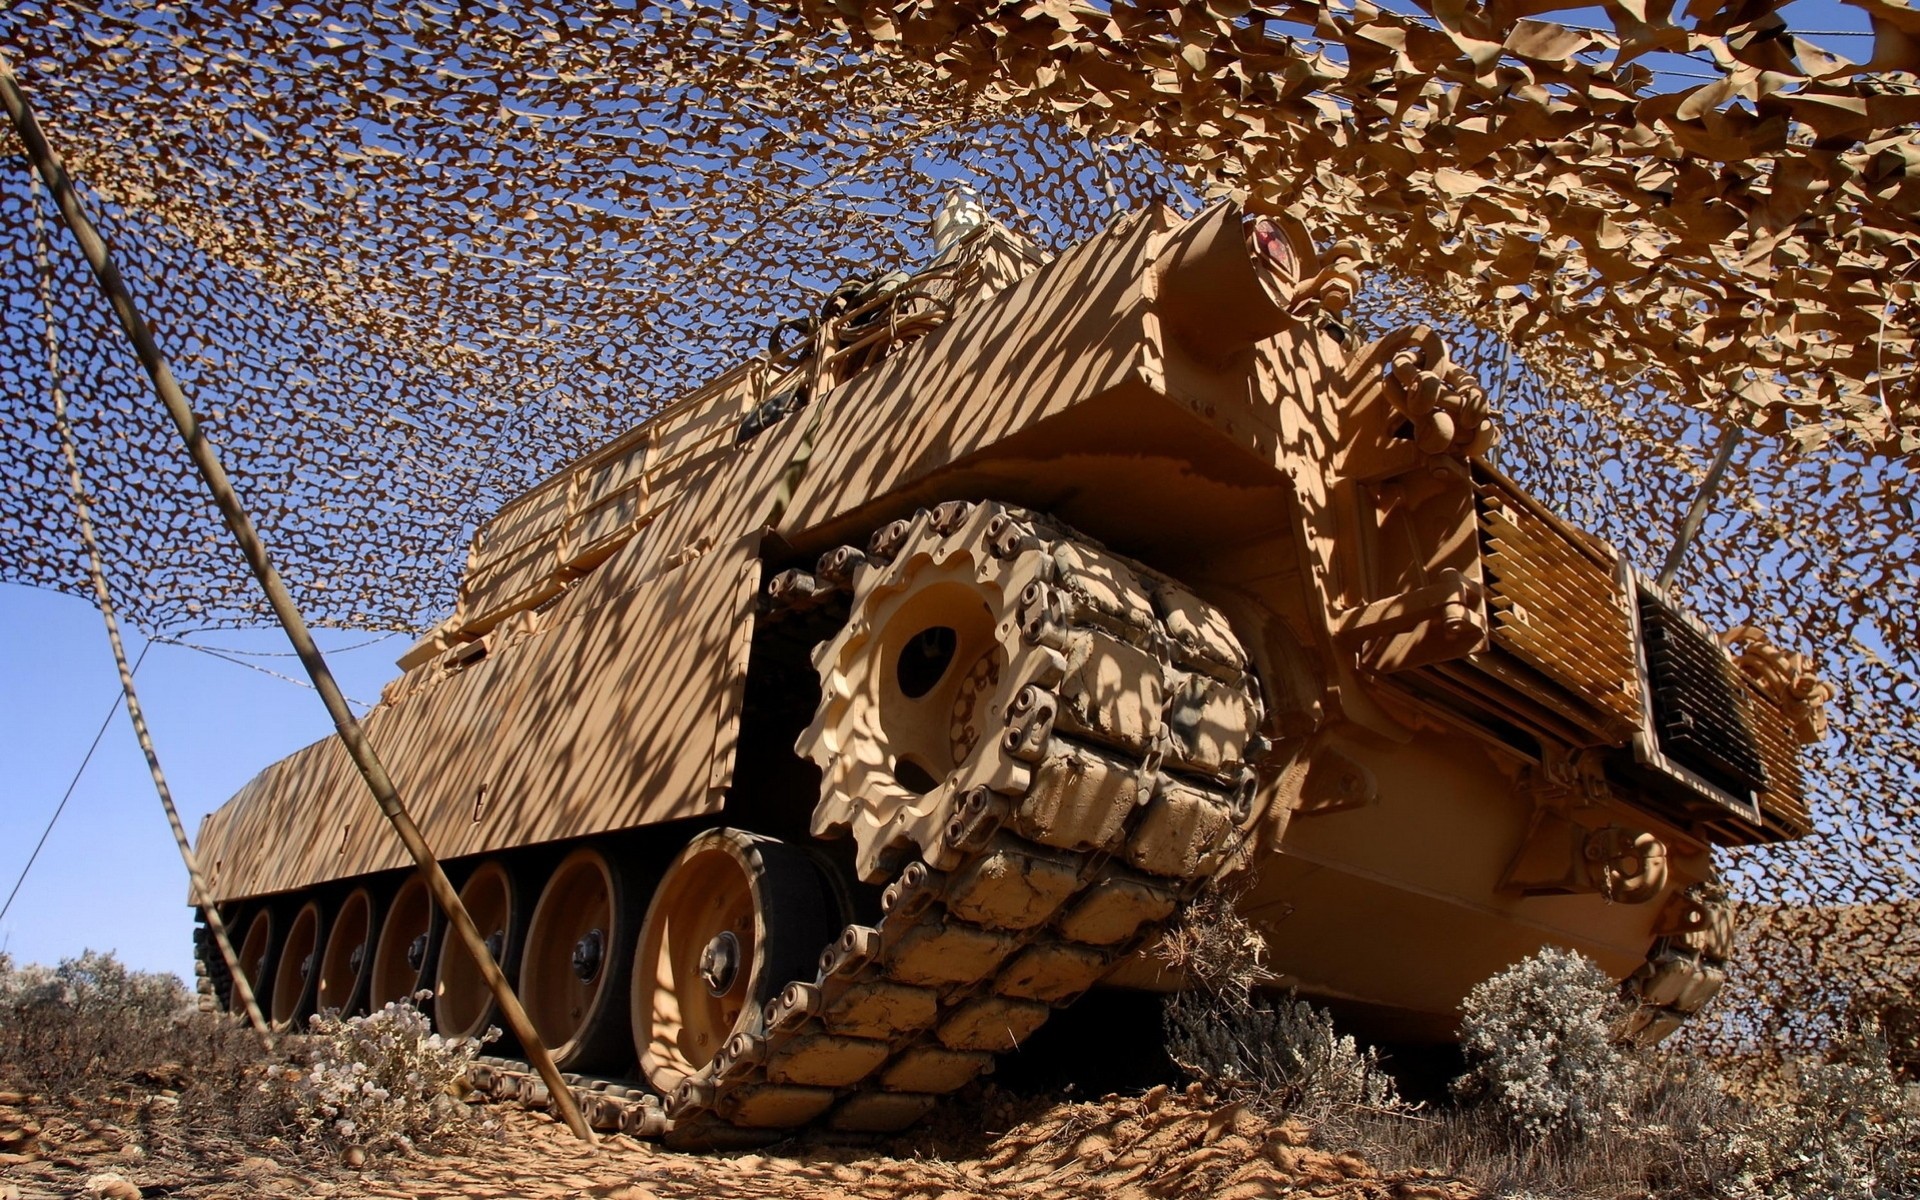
{"x": 1699, "y": 704}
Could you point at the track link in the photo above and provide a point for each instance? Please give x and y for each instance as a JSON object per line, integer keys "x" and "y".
{"x": 610, "y": 1105}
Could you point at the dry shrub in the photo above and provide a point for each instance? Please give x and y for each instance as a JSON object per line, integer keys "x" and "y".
{"x": 1541, "y": 1050}
{"x": 1279, "y": 1055}
{"x": 90, "y": 1023}
{"x": 384, "y": 1081}
{"x": 1848, "y": 1128}
{"x": 84, "y": 1037}
{"x": 1284, "y": 1058}
{"x": 90, "y": 1040}
{"x": 1553, "y": 1104}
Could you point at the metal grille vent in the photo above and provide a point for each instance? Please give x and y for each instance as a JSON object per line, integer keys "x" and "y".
{"x": 1699, "y": 706}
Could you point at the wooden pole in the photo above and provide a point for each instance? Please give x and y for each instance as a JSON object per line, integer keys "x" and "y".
{"x": 97, "y": 572}
{"x": 44, "y": 159}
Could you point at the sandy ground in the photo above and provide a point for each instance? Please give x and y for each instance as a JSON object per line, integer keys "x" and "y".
{"x": 1161, "y": 1144}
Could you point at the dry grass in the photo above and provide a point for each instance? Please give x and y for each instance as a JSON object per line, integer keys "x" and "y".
{"x": 1552, "y": 1104}
{"x": 130, "y": 1055}
{"x": 1216, "y": 951}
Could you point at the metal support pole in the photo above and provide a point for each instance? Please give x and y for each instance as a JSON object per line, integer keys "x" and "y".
{"x": 207, "y": 462}
{"x": 97, "y": 572}
{"x": 1702, "y": 501}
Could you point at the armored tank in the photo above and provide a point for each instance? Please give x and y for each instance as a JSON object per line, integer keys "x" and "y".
{"x": 820, "y": 738}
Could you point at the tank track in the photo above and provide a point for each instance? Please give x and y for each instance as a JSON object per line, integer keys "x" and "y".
{"x": 213, "y": 982}
{"x": 609, "y": 1104}
{"x": 1033, "y": 890}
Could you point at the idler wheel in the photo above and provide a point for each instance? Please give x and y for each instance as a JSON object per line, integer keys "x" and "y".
{"x": 463, "y": 1003}
{"x": 403, "y": 958}
{"x": 257, "y": 947}
{"x": 577, "y": 966}
{"x": 348, "y": 962}
{"x": 736, "y": 918}
{"x": 296, "y": 979}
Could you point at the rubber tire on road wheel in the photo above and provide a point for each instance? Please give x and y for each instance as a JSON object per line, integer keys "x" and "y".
{"x": 410, "y": 915}
{"x": 582, "y": 1021}
{"x": 780, "y": 910}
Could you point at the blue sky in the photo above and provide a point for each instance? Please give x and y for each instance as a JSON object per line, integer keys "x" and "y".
{"x": 109, "y": 877}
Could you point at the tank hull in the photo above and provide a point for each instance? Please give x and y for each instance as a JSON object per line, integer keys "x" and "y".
{"x": 1458, "y": 766}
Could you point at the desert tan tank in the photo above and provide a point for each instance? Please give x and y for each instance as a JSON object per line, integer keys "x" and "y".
{"x": 818, "y": 739}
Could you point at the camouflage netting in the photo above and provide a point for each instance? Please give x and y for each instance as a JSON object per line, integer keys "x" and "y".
{"x": 410, "y": 258}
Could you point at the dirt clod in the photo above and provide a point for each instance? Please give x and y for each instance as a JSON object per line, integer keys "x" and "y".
{"x": 108, "y": 1186}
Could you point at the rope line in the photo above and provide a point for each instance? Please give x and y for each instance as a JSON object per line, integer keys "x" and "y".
{"x": 71, "y": 784}
{"x": 224, "y": 656}
{"x": 372, "y": 641}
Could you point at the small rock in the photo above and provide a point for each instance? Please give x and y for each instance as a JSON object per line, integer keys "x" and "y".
{"x": 9, "y": 1192}
{"x": 355, "y": 1157}
{"x": 109, "y": 1187}
{"x": 18, "y": 1131}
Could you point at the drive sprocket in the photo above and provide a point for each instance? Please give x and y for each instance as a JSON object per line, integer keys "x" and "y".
{"x": 991, "y": 652}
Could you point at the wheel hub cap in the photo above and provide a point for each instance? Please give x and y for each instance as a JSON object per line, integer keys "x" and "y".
{"x": 417, "y": 953}
{"x": 720, "y": 962}
{"x": 587, "y": 953}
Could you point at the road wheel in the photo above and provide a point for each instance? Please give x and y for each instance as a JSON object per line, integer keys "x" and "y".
{"x": 735, "y": 919}
{"x": 463, "y": 1003}
{"x": 409, "y": 942}
{"x": 257, "y": 947}
{"x": 295, "y": 977}
{"x": 578, "y": 963}
{"x": 348, "y": 960}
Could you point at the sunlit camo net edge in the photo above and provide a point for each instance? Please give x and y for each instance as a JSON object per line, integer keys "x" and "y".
{"x": 408, "y": 259}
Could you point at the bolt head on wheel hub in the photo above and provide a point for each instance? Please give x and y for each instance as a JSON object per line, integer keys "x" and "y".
{"x": 587, "y": 955}
{"x": 496, "y": 944}
{"x": 417, "y": 953}
{"x": 720, "y": 962}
